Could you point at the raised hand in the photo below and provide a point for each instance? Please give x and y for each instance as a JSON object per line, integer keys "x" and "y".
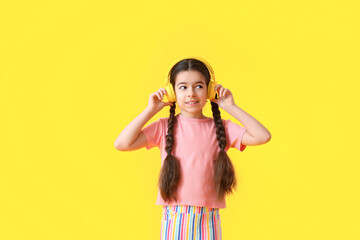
{"x": 225, "y": 97}
{"x": 155, "y": 104}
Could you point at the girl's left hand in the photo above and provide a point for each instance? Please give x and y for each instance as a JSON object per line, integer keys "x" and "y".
{"x": 225, "y": 97}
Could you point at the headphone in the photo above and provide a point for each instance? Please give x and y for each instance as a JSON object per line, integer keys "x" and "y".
{"x": 170, "y": 92}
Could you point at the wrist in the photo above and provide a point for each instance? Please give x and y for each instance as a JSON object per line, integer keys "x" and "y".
{"x": 230, "y": 107}
{"x": 149, "y": 111}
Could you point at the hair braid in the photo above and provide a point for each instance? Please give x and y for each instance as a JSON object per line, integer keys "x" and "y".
{"x": 170, "y": 171}
{"x": 225, "y": 179}
{"x": 169, "y": 136}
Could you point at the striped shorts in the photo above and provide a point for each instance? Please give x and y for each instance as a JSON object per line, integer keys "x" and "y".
{"x": 184, "y": 222}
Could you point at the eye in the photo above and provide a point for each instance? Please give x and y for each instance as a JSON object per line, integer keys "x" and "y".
{"x": 181, "y": 87}
{"x": 200, "y": 86}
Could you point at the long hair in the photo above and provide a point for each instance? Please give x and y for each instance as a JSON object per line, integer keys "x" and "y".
{"x": 224, "y": 174}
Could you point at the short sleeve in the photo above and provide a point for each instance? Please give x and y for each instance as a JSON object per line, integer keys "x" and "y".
{"x": 234, "y": 134}
{"x": 153, "y": 133}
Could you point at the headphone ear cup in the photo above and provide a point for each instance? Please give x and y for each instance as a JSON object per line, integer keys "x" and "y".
{"x": 211, "y": 90}
{"x": 170, "y": 94}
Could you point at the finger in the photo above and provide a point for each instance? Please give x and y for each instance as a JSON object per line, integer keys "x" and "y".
{"x": 158, "y": 95}
{"x": 227, "y": 92}
{"x": 153, "y": 95}
{"x": 222, "y": 92}
{"x": 168, "y": 103}
{"x": 161, "y": 95}
{"x": 163, "y": 91}
{"x": 217, "y": 87}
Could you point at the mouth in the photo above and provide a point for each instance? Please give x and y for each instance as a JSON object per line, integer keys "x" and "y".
{"x": 192, "y": 102}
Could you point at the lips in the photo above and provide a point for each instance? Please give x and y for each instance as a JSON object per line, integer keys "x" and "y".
{"x": 192, "y": 102}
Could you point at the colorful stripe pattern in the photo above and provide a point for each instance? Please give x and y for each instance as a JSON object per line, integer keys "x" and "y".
{"x": 184, "y": 222}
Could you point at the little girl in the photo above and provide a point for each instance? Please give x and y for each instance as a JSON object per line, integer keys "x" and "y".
{"x": 196, "y": 172}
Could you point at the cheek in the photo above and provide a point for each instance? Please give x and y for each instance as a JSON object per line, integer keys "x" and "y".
{"x": 179, "y": 96}
{"x": 204, "y": 93}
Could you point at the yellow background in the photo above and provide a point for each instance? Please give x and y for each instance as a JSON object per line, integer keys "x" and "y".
{"x": 73, "y": 74}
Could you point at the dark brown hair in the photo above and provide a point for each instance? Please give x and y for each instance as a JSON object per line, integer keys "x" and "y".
{"x": 224, "y": 174}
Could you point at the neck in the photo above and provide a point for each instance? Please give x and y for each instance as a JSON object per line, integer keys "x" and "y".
{"x": 200, "y": 115}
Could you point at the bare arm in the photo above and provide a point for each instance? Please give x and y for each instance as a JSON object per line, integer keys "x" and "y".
{"x": 132, "y": 130}
{"x": 256, "y": 133}
{"x": 131, "y": 138}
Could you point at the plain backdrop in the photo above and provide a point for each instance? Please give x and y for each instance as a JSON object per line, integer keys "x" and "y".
{"x": 73, "y": 74}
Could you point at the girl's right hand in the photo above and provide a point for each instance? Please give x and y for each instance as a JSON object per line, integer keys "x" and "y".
{"x": 155, "y": 104}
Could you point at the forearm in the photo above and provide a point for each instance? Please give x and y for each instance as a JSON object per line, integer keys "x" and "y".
{"x": 254, "y": 127}
{"x": 132, "y": 130}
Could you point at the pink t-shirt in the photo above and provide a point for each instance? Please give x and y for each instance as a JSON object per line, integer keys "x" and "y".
{"x": 195, "y": 147}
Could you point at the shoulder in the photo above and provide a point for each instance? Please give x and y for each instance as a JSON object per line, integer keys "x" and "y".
{"x": 232, "y": 126}
{"x": 157, "y": 125}
{"x": 161, "y": 120}
{"x": 164, "y": 120}
{"x": 227, "y": 121}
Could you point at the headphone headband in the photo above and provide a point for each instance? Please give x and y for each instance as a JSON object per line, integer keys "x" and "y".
{"x": 211, "y": 71}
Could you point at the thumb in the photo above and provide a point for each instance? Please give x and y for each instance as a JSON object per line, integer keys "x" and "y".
{"x": 214, "y": 100}
{"x": 168, "y": 103}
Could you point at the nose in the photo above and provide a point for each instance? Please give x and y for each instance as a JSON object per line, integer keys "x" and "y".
{"x": 191, "y": 92}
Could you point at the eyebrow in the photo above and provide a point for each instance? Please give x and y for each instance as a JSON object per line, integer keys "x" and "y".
{"x": 186, "y": 83}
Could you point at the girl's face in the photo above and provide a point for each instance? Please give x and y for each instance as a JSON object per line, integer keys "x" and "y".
{"x": 190, "y": 91}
